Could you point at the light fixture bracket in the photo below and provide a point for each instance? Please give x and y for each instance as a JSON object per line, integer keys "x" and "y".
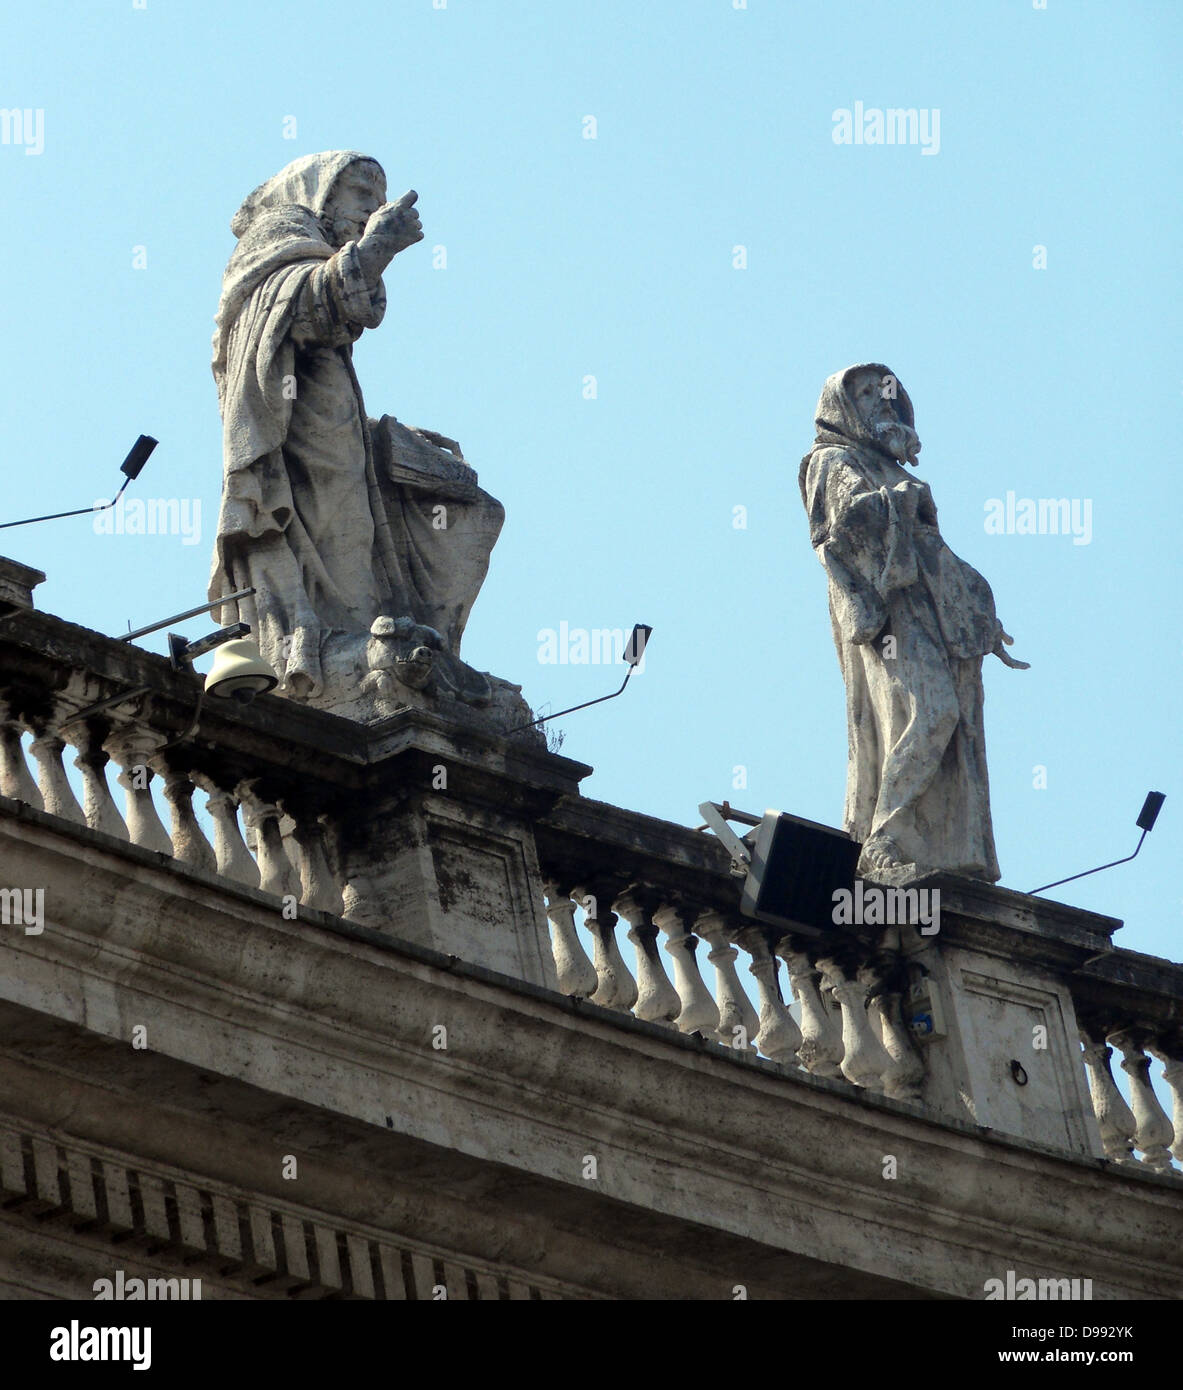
{"x": 183, "y": 653}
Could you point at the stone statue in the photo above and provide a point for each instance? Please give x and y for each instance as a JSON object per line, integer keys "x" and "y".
{"x": 362, "y": 538}
{"x": 911, "y": 623}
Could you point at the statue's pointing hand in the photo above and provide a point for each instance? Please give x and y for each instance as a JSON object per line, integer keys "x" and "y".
{"x": 1004, "y": 656}
{"x": 391, "y": 229}
{"x": 397, "y": 223}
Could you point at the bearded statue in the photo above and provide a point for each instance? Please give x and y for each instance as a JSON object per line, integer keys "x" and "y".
{"x": 365, "y": 541}
{"x": 911, "y": 625}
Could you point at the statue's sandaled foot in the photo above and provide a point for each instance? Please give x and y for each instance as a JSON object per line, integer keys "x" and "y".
{"x": 884, "y": 861}
{"x": 881, "y": 852}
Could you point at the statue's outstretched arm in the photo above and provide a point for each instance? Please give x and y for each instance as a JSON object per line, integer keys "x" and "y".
{"x": 336, "y": 303}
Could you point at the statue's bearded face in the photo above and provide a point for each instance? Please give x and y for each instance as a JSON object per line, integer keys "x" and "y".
{"x": 359, "y": 192}
{"x": 877, "y": 407}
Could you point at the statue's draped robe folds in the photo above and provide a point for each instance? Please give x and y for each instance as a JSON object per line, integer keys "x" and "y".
{"x": 917, "y": 757}
{"x": 317, "y": 518}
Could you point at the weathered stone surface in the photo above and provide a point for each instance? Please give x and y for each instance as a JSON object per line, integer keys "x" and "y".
{"x": 366, "y": 541}
{"x": 911, "y": 624}
{"x": 268, "y": 1037}
{"x": 174, "y": 1027}
{"x": 17, "y": 583}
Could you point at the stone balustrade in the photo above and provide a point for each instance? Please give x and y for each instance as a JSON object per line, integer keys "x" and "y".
{"x": 279, "y": 784}
{"x": 313, "y": 810}
{"x": 836, "y": 1010}
{"x": 1140, "y": 1131}
{"x": 248, "y": 844}
{"x": 280, "y": 820}
{"x": 840, "y": 1008}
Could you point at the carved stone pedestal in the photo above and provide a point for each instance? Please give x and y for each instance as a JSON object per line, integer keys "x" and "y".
{"x": 444, "y": 855}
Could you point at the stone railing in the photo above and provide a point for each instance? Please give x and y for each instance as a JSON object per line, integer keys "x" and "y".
{"x": 314, "y": 810}
{"x": 673, "y": 886}
{"x": 849, "y": 1015}
{"x": 415, "y": 826}
{"x": 298, "y": 804}
{"x": 1133, "y": 1005}
{"x": 278, "y": 817}
{"x": 267, "y": 819}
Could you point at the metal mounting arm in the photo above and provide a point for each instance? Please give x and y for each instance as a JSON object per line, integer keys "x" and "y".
{"x": 716, "y": 815}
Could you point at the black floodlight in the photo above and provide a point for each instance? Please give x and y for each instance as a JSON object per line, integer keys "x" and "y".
{"x": 797, "y": 867}
{"x": 132, "y": 466}
{"x": 1149, "y": 812}
{"x": 1145, "y": 823}
{"x": 634, "y": 651}
{"x": 137, "y": 456}
{"x": 791, "y": 868}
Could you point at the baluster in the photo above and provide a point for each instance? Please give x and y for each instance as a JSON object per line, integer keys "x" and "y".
{"x": 230, "y": 852}
{"x": 132, "y": 748}
{"x": 616, "y": 989}
{"x": 576, "y": 974}
{"x": 1153, "y": 1131}
{"x": 56, "y": 793}
{"x": 1115, "y": 1119}
{"x": 16, "y": 781}
{"x": 779, "y": 1036}
{"x": 1172, "y": 1074}
{"x": 188, "y": 838}
{"x": 700, "y": 1013}
{"x": 657, "y": 1000}
{"x": 98, "y": 805}
{"x": 904, "y": 1075}
{"x": 864, "y": 1058}
{"x": 735, "y": 1008}
{"x": 318, "y": 883}
{"x": 821, "y": 1038}
{"x": 276, "y": 874}
{"x": 361, "y": 902}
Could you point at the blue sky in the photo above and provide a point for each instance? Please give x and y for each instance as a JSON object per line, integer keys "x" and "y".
{"x": 615, "y": 258}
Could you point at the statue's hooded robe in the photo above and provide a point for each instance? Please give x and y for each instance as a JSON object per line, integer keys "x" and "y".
{"x": 328, "y": 541}
{"x": 890, "y": 575}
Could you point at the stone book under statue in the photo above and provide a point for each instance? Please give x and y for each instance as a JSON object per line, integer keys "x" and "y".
{"x": 911, "y": 625}
{"x": 366, "y": 541}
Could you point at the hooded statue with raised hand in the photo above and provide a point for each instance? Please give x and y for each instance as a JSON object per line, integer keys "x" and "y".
{"x": 334, "y": 519}
{"x": 911, "y": 624}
